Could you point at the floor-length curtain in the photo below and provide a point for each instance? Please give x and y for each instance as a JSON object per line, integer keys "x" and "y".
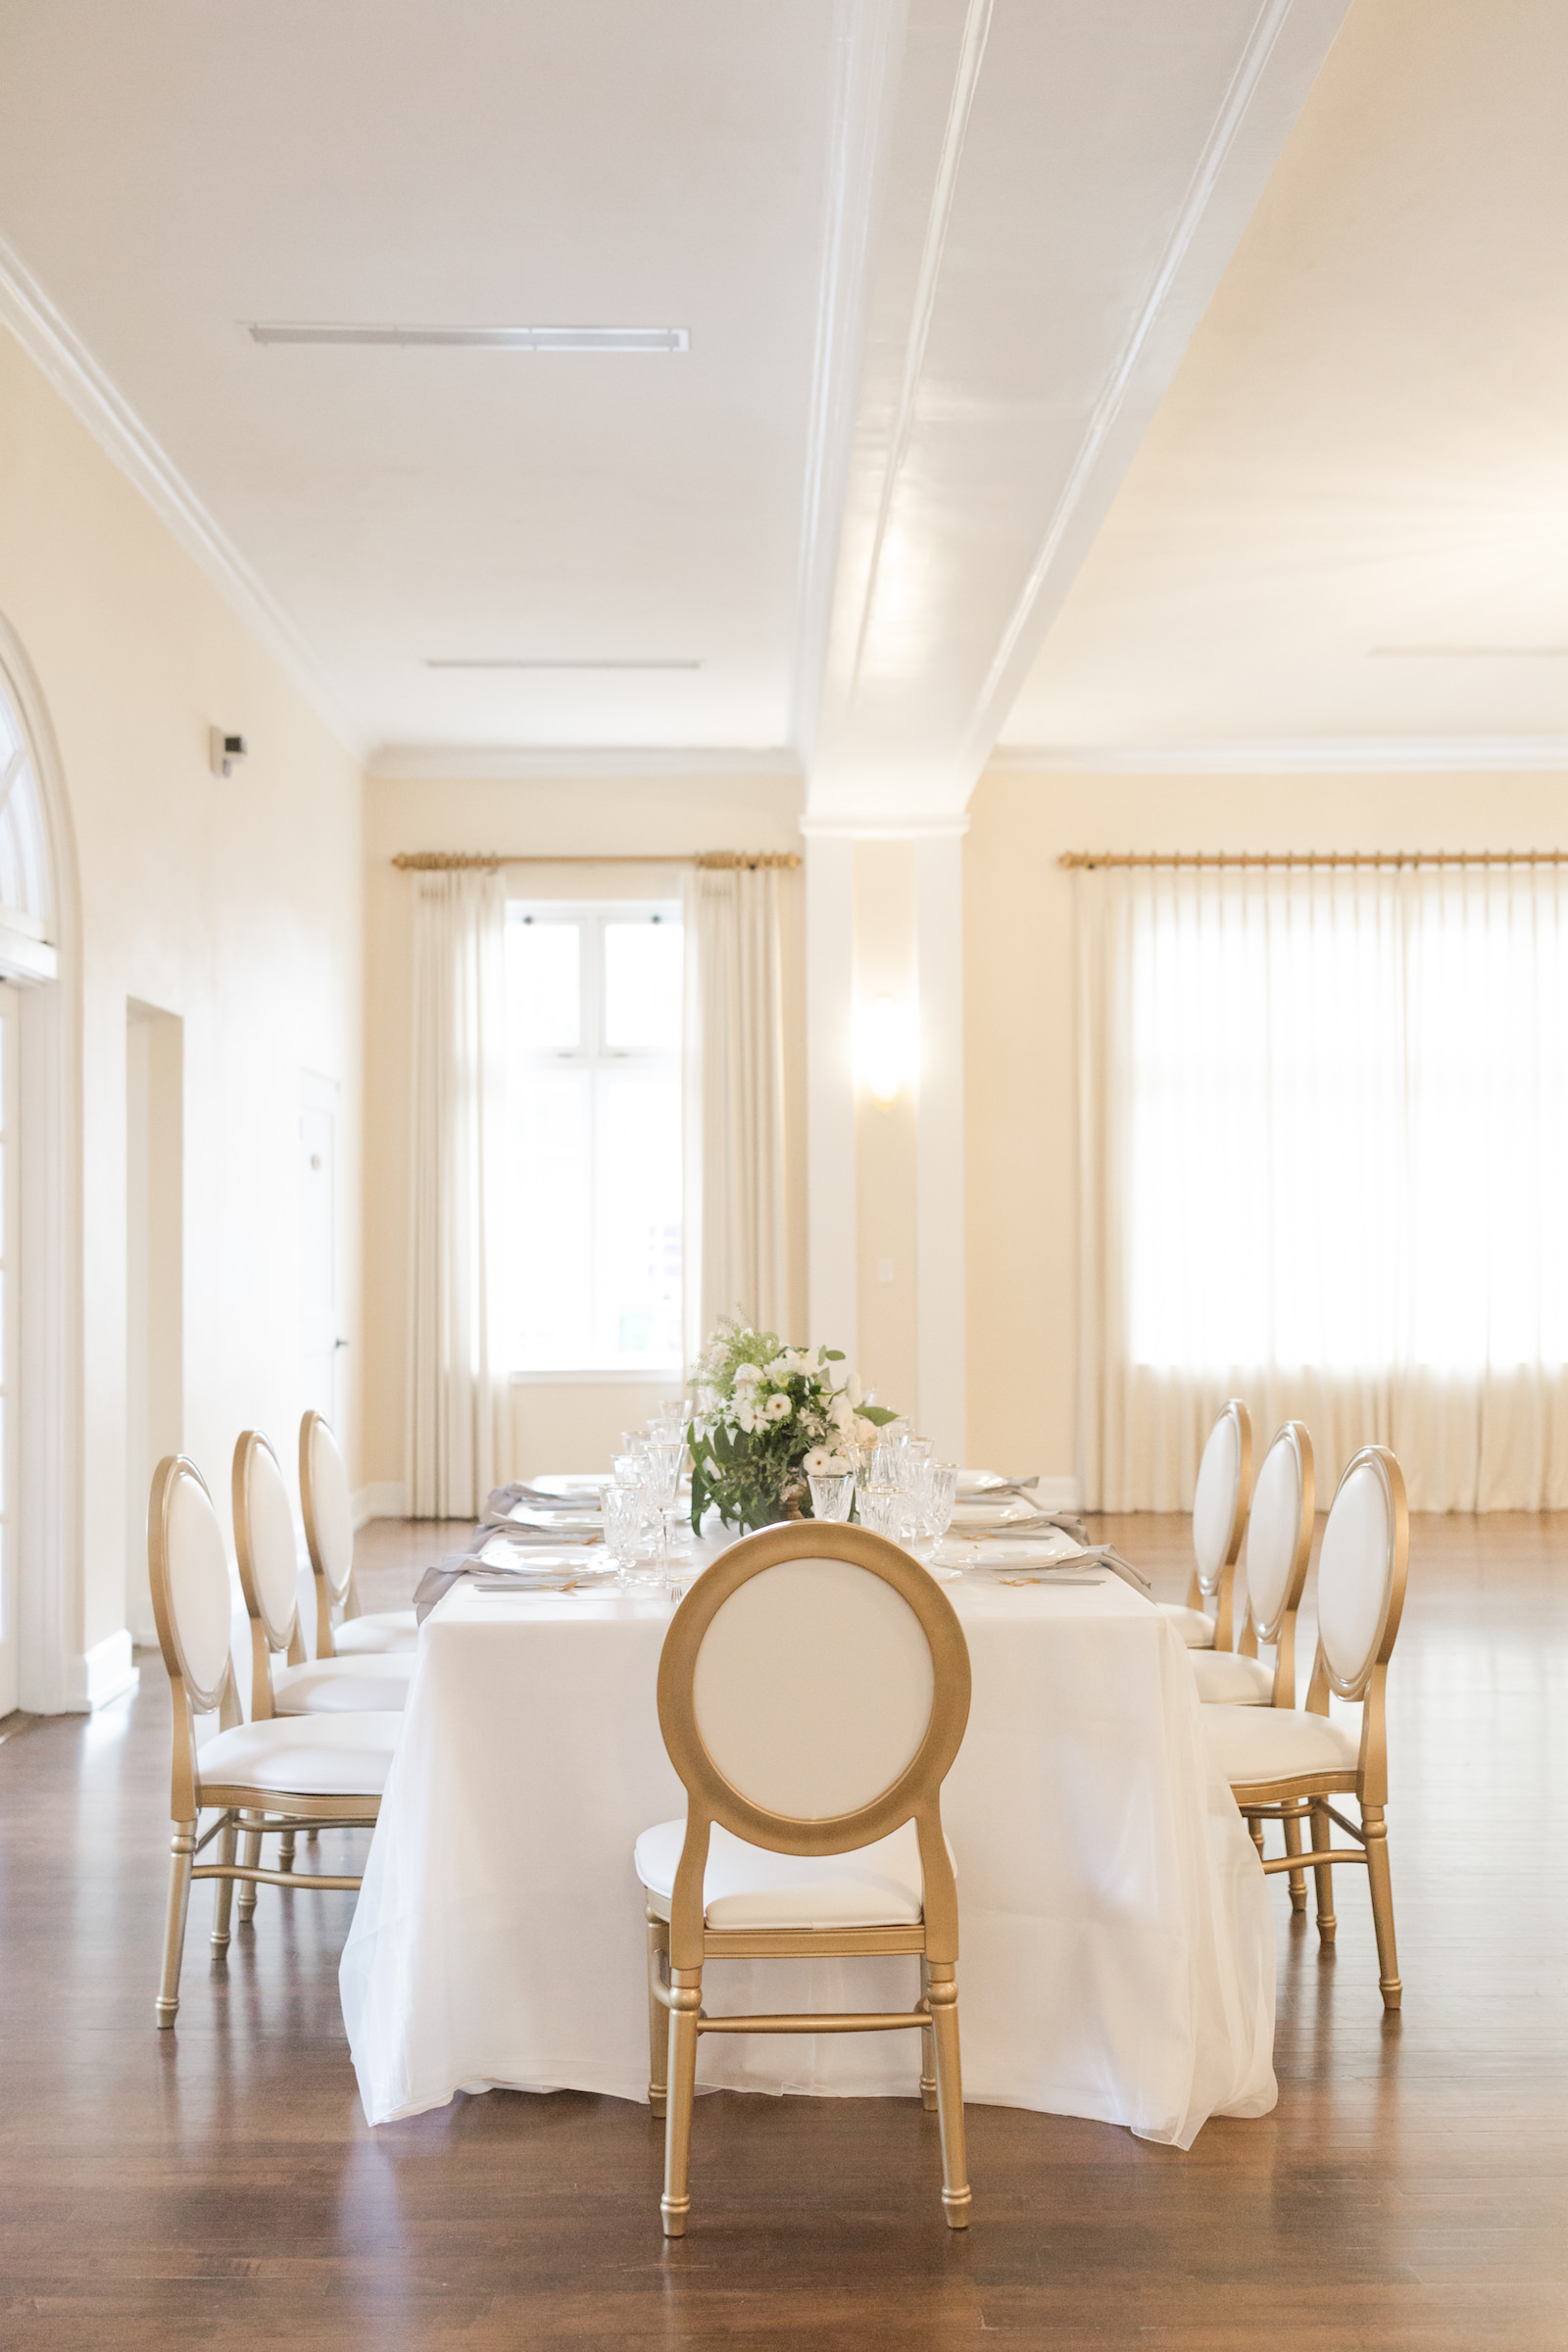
{"x": 735, "y": 1164}
{"x": 457, "y": 1395}
{"x": 1323, "y": 1128}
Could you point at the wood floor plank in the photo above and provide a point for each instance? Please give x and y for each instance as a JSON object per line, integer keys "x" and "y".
{"x": 1409, "y": 2192}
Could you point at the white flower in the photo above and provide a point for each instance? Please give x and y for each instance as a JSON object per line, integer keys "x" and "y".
{"x": 779, "y": 1409}
{"x": 747, "y": 1376}
{"x": 844, "y": 1415}
{"x": 744, "y": 1417}
{"x": 823, "y": 1462}
{"x": 854, "y": 1388}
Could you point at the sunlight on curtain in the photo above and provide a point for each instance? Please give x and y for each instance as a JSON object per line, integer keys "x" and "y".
{"x": 1326, "y": 1167}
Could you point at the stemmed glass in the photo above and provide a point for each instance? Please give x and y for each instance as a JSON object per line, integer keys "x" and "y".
{"x": 663, "y": 1458}
{"x": 832, "y": 1493}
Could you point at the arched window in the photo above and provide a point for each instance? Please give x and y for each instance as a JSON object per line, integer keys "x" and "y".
{"x": 26, "y": 909}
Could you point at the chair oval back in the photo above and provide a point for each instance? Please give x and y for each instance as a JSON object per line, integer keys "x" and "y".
{"x": 326, "y": 1504}
{"x": 188, "y": 1569}
{"x": 813, "y": 1689}
{"x": 1361, "y": 1571}
{"x": 1279, "y": 1530}
{"x": 264, "y": 1538}
{"x": 1222, "y": 1493}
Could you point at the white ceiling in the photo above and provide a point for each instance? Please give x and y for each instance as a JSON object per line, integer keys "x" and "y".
{"x": 1365, "y": 447}
{"x": 938, "y": 260}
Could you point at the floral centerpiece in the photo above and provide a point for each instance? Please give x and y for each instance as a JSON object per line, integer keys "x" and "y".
{"x": 767, "y": 1418}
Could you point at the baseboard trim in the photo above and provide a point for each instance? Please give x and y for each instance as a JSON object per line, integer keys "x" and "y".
{"x": 1056, "y": 1493}
{"x": 106, "y": 1671}
{"x": 382, "y": 1498}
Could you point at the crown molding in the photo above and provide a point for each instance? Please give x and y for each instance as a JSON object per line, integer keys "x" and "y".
{"x": 1292, "y": 756}
{"x": 470, "y": 763}
{"x": 70, "y": 368}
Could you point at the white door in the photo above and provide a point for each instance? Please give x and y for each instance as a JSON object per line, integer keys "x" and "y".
{"x": 319, "y": 1338}
{"x": 10, "y": 1647}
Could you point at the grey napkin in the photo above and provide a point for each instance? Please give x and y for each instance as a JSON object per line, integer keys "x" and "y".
{"x": 438, "y": 1579}
{"x": 503, "y": 1500}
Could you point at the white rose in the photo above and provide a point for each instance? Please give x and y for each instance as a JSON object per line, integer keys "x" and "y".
{"x": 747, "y": 1376}
{"x": 779, "y": 1409}
{"x": 843, "y": 1415}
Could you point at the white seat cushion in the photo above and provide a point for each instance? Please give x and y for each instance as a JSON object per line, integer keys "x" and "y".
{"x": 875, "y": 1886}
{"x": 378, "y": 1681}
{"x": 365, "y": 1636}
{"x": 1195, "y": 1629}
{"x": 1226, "y": 1679}
{"x": 1277, "y": 1744}
{"x": 304, "y": 1755}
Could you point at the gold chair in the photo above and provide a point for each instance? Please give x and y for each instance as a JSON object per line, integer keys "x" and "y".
{"x": 1220, "y": 1522}
{"x": 328, "y": 1513}
{"x": 288, "y": 1773}
{"x": 813, "y": 1693}
{"x": 1285, "y": 1763}
{"x": 1279, "y": 1546}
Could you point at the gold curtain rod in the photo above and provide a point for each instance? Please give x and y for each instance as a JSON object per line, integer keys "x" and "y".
{"x": 440, "y": 862}
{"x": 1306, "y": 857}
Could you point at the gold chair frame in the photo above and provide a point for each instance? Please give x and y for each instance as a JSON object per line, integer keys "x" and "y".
{"x": 237, "y": 1804}
{"x": 1218, "y": 1586}
{"x": 1279, "y": 1632}
{"x": 679, "y": 1939}
{"x": 1305, "y": 1796}
{"x": 327, "y": 1595}
{"x": 268, "y": 1640}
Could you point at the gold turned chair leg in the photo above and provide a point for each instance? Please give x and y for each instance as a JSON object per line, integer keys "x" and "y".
{"x": 182, "y": 1853}
{"x": 1377, "y": 1870}
{"x": 223, "y": 1889}
{"x": 250, "y": 1853}
{"x": 1293, "y": 1845}
{"x": 686, "y": 1999}
{"x": 944, "y": 1999}
{"x": 285, "y": 1850}
{"x": 658, "y": 2018}
{"x": 1322, "y": 1837}
{"x": 928, "y": 2051}
{"x": 1256, "y": 1832}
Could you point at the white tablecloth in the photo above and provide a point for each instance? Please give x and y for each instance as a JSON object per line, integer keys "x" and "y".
{"x": 1118, "y": 1940}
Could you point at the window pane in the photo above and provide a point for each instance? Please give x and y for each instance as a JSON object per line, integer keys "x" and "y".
{"x": 643, "y": 987}
{"x": 638, "y": 1202}
{"x": 550, "y": 1217}
{"x": 542, "y": 987}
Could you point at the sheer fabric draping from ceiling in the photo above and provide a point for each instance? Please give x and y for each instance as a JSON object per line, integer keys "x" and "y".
{"x": 1324, "y": 1166}
{"x": 456, "y": 1393}
{"x": 735, "y": 1151}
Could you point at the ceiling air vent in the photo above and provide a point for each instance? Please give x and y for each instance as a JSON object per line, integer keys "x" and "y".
{"x": 484, "y": 338}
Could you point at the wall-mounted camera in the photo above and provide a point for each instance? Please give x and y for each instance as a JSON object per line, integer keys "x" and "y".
{"x": 224, "y": 750}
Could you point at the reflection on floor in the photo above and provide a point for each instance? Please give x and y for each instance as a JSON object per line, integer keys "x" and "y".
{"x": 1411, "y": 2190}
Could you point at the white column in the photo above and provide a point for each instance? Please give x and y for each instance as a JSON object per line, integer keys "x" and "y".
{"x": 940, "y": 1140}
{"x": 830, "y": 1195}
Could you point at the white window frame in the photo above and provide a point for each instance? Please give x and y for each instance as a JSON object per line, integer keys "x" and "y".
{"x": 593, "y": 1054}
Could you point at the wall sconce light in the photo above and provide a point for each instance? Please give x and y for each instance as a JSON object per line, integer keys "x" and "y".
{"x": 885, "y": 1050}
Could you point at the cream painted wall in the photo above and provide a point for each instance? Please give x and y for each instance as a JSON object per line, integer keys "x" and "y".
{"x": 236, "y": 905}
{"x": 622, "y": 817}
{"x": 887, "y": 1346}
{"x": 1019, "y": 1017}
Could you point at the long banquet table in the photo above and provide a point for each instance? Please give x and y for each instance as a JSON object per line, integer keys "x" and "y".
{"x": 1116, "y": 1936}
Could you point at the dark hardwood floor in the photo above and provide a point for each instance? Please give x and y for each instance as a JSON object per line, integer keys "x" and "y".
{"x": 220, "y": 2184}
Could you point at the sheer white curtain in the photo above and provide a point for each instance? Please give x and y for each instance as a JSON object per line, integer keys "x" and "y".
{"x": 1324, "y": 1166}
{"x": 735, "y": 1218}
{"x": 457, "y": 1394}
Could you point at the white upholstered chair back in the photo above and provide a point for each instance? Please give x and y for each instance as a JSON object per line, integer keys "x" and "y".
{"x": 1279, "y": 1530}
{"x": 264, "y": 1538}
{"x": 813, "y": 1688}
{"x": 188, "y": 1569}
{"x": 1361, "y": 1571}
{"x": 1221, "y": 1495}
{"x": 327, "y": 1505}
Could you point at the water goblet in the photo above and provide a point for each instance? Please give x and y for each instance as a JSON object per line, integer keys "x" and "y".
{"x": 941, "y": 1492}
{"x": 832, "y": 1493}
{"x": 881, "y": 1509}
